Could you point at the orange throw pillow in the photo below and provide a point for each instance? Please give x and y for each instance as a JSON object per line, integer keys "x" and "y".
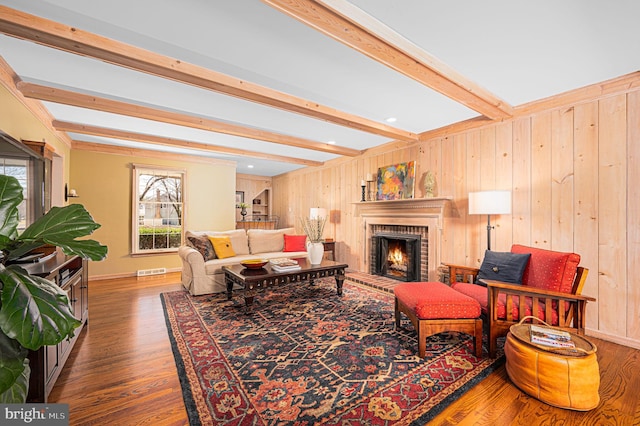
{"x": 295, "y": 242}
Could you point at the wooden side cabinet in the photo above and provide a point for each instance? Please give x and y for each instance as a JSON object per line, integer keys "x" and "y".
{"x": 71, "y": 274}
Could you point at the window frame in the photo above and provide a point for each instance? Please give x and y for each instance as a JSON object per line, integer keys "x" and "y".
{"x": 137, "y": 171}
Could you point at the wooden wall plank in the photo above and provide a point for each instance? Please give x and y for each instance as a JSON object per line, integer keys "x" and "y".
{"x": 541, "y": 180}
{"x": 445, "y": 186}
{"x": 562, "y": 180}
{"x": 521, "y": 195}
{"x": 504, "y": 181}
{"x": 476, "y": 229}
{"x": 585, "y": 232}
{"x": 612, "y": 232}
{"x": 633, "y": 216}
{"x": 456, "y": 226}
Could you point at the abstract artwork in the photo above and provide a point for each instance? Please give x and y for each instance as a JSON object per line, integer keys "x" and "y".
{"x": 396, "y": 182}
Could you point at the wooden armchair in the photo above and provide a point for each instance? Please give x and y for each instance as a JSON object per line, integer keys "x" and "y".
{"x": 552, "y": 282}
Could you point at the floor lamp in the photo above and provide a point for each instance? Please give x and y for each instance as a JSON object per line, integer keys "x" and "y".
{"x": 490, "y": 202}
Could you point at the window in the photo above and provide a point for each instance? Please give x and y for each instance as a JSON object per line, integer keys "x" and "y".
{"x": 18, "y": 168}
{"x": 157, "y": 209}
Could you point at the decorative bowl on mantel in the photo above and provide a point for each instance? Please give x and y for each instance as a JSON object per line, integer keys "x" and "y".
{"x": 254, "y": 263}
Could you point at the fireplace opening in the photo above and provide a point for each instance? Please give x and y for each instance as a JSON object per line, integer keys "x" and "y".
{"x": 397, "y": 256}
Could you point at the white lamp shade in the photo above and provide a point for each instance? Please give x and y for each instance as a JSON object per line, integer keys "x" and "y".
{"x": 490, "y": 202}
{"x": 317, "y": 213}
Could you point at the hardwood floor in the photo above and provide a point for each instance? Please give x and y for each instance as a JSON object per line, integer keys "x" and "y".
{"x": 122, "y": 372}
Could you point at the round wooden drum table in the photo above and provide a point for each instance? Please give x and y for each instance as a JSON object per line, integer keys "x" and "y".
{"x": 565, "y": 378}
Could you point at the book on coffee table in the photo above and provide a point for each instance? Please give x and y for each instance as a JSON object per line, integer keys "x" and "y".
{"x": 283, "y": 262}
{"x": 289, "y": 268}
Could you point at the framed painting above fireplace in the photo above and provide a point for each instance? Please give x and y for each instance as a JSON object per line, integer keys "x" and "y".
{"x": 397, "y": 181}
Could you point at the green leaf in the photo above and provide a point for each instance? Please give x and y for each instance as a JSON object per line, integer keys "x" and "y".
{"x": 89, "y": 249}
{"x": 17, "y": 393}
{"x": 60, "y": 227}
{"x": 66, "y": 223}
{"x": 10, "y": 198}
{"x": 12, "y": 362}
{"x": 34, "y": 311}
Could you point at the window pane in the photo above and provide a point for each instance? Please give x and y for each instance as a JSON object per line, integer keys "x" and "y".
{"x": 18, "y": 168}
{"x": 159, "y": 210}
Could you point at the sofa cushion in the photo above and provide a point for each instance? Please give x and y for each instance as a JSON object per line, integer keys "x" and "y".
{"x": 295, "y": 242}
{"x": 238, "y": 237}
{"x": 503, "y": 266}
{"x": 266, "y": 240}
{"x": 222, "y": 246}
{"x": 202, "y": 244}
{"x": 549, "y": 270}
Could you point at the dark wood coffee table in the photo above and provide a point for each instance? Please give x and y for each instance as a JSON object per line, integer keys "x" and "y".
{"x": 253, "y": 280}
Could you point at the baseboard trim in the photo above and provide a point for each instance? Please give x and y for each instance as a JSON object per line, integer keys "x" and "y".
{"x": 133, "y": 274}
{"x": 624, "y": 341}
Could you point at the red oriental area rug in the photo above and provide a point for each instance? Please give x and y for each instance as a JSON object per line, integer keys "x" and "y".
{"x": 306, "y": 356}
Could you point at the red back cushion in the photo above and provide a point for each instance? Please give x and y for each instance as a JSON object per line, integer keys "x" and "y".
{"x": 549, "y": 270}
{"x": 295, "y": 242}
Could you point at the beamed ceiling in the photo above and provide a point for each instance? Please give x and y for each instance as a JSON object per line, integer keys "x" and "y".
{"x": 276, "y": 85}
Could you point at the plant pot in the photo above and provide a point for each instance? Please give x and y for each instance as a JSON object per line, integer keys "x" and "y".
{"x": 316, "y": 252}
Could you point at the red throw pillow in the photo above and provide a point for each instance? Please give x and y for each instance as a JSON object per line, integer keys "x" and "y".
{"x": 295, "y": 242}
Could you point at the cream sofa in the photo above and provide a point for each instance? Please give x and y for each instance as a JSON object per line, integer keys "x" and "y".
{"x": 203, "y": 277}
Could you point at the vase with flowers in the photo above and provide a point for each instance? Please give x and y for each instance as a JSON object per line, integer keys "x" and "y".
{"x": 243, "y": 209}
{"x": 313, "y": 227}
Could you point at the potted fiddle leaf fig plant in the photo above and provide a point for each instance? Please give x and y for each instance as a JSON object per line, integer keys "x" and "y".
{"x": 35, "y": 312}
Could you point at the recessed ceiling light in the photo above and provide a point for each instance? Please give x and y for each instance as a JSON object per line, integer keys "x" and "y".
{"x": 391, "y": 120}
{"x": 331, "y": 142}
{"x": 250, "y": 166}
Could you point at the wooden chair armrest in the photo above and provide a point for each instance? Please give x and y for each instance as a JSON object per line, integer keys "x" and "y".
{"x": 464, "y": 271}
{"x": 524, "y": 290}
{"x": 470, "y": 268}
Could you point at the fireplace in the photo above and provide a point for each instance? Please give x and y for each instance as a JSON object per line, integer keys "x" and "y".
{"x": 397, "y": 256}
{"x": 422, "y": 217}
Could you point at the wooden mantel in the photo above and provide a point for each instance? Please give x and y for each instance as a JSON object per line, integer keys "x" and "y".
{"x": 427, "y": 212}
{"x": 405, "y": 208}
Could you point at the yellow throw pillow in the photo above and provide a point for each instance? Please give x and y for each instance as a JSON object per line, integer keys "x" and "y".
{"x": 222, "y": 246}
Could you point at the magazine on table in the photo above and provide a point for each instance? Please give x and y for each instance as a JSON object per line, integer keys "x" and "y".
{"x": 551, "y": 337}
{"x": 284, "y": 262}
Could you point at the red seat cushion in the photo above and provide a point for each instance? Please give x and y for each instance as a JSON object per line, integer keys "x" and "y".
{"x": 434, "y": 300}
{"x": 547, "y": 269}
{"x": 481, "y": 294}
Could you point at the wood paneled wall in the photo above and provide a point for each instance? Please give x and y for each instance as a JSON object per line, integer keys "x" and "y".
{"x": 572, "y": 163}
{"x": 252, "y": 186}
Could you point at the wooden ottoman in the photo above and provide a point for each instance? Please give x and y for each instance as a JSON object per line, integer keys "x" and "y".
{"x": 434, "y": 307}
{"x": 563, "y": 378}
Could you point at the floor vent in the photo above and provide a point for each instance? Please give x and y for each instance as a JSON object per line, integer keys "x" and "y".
{"x": 156, "y": 271}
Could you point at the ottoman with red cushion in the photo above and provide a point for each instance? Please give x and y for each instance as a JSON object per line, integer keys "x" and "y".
{"x": 434, "y": 307}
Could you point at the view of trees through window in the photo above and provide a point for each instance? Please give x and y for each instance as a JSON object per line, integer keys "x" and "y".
{"x": 18, "y": 168}
{"x": 158, "y": 225}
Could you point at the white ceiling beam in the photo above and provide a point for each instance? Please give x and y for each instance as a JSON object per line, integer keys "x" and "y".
{"x": 353, "y": 27}
{"x": 68, "y": 97}
{"x": 56, "y": 35}
{"x": 161, "y": 140}
{"x": 147, "y": 153}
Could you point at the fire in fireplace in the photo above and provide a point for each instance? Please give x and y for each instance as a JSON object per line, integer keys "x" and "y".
{"x": 397, "y": 256}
